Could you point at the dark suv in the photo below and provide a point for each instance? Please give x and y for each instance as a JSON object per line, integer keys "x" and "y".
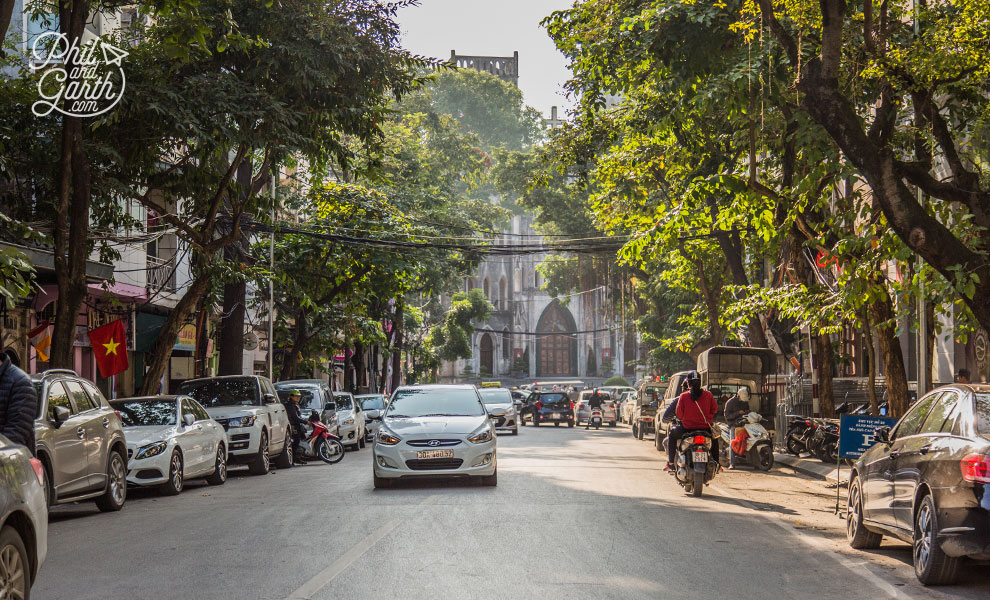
{"x": 552, "y": 407}
{"x": 80, "y": 442}
{"x": 927, "y": 482}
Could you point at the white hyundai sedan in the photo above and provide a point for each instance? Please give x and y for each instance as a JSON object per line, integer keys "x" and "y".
{"x": 435, "y": 431}
{"x": 171, "y": 439}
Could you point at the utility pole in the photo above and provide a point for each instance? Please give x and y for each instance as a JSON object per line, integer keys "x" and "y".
{"x": 271, "y": 283}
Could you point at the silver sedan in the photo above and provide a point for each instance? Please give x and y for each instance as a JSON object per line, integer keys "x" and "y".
{"x": 499, "y": 403}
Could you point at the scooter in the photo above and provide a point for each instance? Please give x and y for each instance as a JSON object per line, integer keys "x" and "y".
{"x": 799, "y": 432}
{"x": 759, "y": 445}
{"x": 322, "y": 444}
{"x": 595, "y": 420}
{"x": 693, "y": 464}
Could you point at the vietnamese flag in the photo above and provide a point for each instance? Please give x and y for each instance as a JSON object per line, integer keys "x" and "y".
{"x": 109, "y": 348}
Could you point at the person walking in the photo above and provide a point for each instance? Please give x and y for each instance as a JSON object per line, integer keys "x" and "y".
{"x": 18, "y": 404}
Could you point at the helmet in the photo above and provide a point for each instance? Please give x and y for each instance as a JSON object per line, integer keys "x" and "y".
{"x": 294, "y": 392}
{"x": 744, "y": 394}
{"x": 693, "y": 376}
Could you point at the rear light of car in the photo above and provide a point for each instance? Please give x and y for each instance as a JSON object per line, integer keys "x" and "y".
{"x": 976, "y": 468}
{"x": 699, "y": 439}
{"x": 580, "y": 405}
{"x": 117, "y": 412}
{"x": 572, "y": 406}
{"x": 39, "y": 470}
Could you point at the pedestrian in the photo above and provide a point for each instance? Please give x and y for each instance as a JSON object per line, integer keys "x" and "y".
{"x": 963, "y": 376}
{"x": 696, "y": 409}
{"x": 735, "y": 408}
{"x": 18, "y": 404}
{"x": 295, "y": 420}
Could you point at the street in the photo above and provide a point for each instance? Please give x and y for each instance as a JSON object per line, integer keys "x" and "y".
{"x": 576, "y": 514}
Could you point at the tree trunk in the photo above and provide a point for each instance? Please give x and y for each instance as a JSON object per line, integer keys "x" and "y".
{"x": 890, "y": 350}
{"x": 872, "y": 367}
{"x": 397, "y": 348}
{"x": 230, "y": 337}
{"x": 824, "y": 364}
{"x": 162, "y": 350}
{"x": 71, "y": 211}
{"x": 290, "y": 360}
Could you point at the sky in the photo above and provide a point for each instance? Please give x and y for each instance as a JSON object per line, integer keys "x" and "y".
{"x": 494, "y": 28}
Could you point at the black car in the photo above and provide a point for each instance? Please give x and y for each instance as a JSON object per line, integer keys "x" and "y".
{"x": 552, "y": 407}
{"x": 525, "y": 405}
{"x": 927, "y": 482}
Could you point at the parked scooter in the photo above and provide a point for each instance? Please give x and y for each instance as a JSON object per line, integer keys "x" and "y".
{"x": 320, "y": 443}
{"x": 694, "y": 465}
{"x": 799, "y": 432}
{"x": 759, "y": 445}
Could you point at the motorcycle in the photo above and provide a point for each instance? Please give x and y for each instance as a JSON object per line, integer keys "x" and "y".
{"x": 759, "y": 445}
{"x": 595, "y": 420}
{"x": 322, "y": 444}
{"x": 693, "y": 465}
{"x": 799, "y": 432}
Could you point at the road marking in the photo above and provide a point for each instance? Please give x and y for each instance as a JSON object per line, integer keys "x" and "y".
{"x": 324, "y": 577}
{"x": 820, "y": 544}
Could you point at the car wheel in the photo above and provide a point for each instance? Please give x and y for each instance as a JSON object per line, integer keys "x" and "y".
{"x": 634, "y": 432}
{"x": 611, "y": 423}
{"x": 931, "y": 564}
{"x": 556, "y": 423}
{"x": 536, "y": 422}
{"x": 515, "y": 431}
{"x": 489, "y": 480}
{"x": 287, "y": 458}
{"x": 15, "y": 579}
{"x": 49, "y": 485}
{"x": 219, "y": 475}
{"x": 261, "y": 464}
{"x": 362, "y": 442}
{"x": 639, "y": 432}
{"x": 174, "y": 483}
{"x": 382, "y": 483}
{"x": 116, "y": 492}
{"x": 858, "y": 535}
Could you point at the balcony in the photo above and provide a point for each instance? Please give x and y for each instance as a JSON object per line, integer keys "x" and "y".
{"x": 161, "y": 275}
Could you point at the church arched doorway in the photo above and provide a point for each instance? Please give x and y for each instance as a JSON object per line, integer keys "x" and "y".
{"x": 556, "y": 343}
{"x": 487, "y": 356}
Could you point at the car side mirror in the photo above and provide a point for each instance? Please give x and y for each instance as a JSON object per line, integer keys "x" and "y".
{"x": 188, "y": 419}
{"x": 61, "y": 415}
{"x": 882, "y": 435}
{"x": 330, "y": 406}
{"x": 373, "y": 413}
{"x": 269, "y": 399}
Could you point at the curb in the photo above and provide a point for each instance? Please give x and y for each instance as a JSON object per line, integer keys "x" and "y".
{"x": 811, "y": 468}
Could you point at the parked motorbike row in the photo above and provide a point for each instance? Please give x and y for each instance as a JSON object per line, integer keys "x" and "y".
{"x": 819, "y": 437}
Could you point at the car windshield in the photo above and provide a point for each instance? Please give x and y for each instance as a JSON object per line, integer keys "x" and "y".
{"x": 375, "y": 402}
{"x": 343, "y": 402}
{"x": 435, "y": 402}
{"x": 496, "y": 396}
{"x": 983, "y": 414}
{"x": 146, "y": 412}
{"x": 222, "y": 392}
{"x": 308, "y": 397}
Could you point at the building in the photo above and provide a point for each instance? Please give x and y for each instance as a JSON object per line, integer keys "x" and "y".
{"x": 504, "y": 67}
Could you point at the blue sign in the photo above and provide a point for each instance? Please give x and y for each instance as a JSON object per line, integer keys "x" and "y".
{"x": 856, "y": 433}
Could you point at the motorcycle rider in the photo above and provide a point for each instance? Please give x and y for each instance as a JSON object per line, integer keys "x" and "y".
{"x": 734, "y": 409}
{"x": 696, "y": 409}
{"x": 594, "y": 402}
{"x": 295, "y": 421}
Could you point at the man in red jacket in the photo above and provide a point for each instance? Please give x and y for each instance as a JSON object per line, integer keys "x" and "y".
{"x": 696, "y": 409}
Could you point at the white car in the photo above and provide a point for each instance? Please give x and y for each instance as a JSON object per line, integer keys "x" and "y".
{"x": 248, "y": 409}
{"x": 23, "y": 519}
{"x": 372, "y": 405}
{"x": 350, "y": 419}
{"x": 171, "y": 439}
{"x": 501, "y": 407}
{"x": 435, "y": 431}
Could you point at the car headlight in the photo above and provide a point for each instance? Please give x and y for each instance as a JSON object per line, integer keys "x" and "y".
{"x": 481, "y": 436}
{"x": 348, "y": 421}
{"x": 150, "y": 450}
{"x": 242, "y": 421}
{"x": 386, "y": 438}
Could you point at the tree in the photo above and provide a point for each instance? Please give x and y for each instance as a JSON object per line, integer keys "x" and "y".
{"x": 451, "y": 339}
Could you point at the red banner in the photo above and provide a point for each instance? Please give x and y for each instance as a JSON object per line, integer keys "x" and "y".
{"x": 110, "y": 348}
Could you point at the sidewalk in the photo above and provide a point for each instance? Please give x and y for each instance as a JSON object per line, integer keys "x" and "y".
{"x": 812, "y": 467}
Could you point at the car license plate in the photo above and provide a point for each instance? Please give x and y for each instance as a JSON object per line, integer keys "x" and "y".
{"x": 427, "y": 454}
{"x": 700, "y": 457}
{"x": 556, "y": 416}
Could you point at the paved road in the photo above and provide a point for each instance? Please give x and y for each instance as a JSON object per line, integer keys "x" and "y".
{"x": 576, "y": 514}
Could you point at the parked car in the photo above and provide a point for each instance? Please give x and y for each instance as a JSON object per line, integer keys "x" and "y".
{"x": 79, "y": 441}
{"x": 552, "y": 407}
{"x": 582, "y": 409}
{"x": 927, "y": 482}
{"x": 353, "y": 430}
{"x": 373, "y": 405}
{"x": 171, "y": 439}
{"x": 314, "y": 394}
{"x": 626, "y": 404}
{"x": 499, "y": 404}
{"x": 524, "y": 401}
{"x": 247, "y": 407}
{"x": 663, "y": 393}
{"x": 23, "y": 519}
{"x": 435, "y": 431}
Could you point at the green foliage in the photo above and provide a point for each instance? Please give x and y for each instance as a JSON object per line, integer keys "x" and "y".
{"x": 451, "y": 339}
{"x": 616, "y": 380}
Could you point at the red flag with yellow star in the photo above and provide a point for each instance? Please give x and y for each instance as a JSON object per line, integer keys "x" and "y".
{"x": 109, "y": 348}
